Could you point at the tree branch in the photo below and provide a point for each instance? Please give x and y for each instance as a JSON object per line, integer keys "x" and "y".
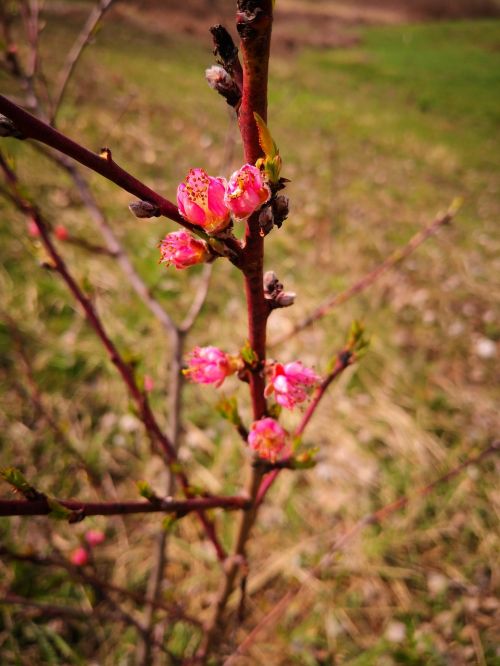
{"x": 367, "y": 280}
{"x": 83, "y": 509}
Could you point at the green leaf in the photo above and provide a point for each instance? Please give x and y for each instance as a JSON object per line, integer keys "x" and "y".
{"x": 146, "y": 491}
{"x": 228, "y": 409}
{"x": 248, "y": 355}
{"x": 17, "y": 480}
{"x": 266, "y": 141}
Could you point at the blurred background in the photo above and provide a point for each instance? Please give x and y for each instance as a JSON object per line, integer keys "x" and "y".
{"x": 384, "y": 113}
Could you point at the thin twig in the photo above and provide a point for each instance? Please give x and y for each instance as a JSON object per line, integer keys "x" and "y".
{"x": 75, "y": 53}
{"x": 367, "y": 280}
{"x": 340, "y": 545}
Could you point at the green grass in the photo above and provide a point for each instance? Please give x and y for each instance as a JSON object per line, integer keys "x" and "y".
{"x": 376, "y": 139}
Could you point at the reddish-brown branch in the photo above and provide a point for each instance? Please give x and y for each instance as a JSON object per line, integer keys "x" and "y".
{"x": 367, "y": 280}
{"x": 83, "y": 509}
{"x": 103, "y": 164}
{"x": 254, "y": 24}
{"x": 340, "y": 544}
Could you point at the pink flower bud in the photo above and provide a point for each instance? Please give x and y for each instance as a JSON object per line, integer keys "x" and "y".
{"x": 79, "y": 557}
{"x": 290, "y": 383}
{"x": 61, "y": 232}
{"x": 94, "y": 537}
{"x": 148, "y": 383}
{"x": 246, "y": 191}
{"x": 182, "y": 250}
{"x": 267, "y": 438}
{"x": 210, "y": 365}
{"x": 200, "y": 199}
{"x": 33, "y": 229}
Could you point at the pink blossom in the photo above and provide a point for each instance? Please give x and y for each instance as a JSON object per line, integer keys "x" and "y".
{"x": 149, "y": 383}
{"x": 94, "y": 537}
{"x": 79, "y": 557}
{"x": 182, "y": 250}
{"x": 210, "y": 365}
{"x": 290, "y": 383}
{"x": 200, "y": 199}
{"x": 246, "y": 191}
{"x": 267, "y": 438}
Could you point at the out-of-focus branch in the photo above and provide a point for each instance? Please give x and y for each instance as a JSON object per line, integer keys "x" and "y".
{"x": 81, "y": 510}
{"x": 370, "y": 278}
{"x": 76, "y": 51}
{"x": 45, "y": 609}
{"x": 198, "y": 300}
{"x": 174, "y": 612}
{"x": 150, "y": 423}
{"x": 341, "y": 543}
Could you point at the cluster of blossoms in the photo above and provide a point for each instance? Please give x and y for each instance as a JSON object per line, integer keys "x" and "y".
{"x": 290, "y": 384}
{"x": 210, "y": 203}
{"x": 80, "y": 556}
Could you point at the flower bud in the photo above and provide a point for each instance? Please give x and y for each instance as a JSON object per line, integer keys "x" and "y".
{"x": 183, "y": 250}
{"x": 200, "y": 199}
{"x": 94, "y": 537}
{"x": 61, "y": 233}
{"x": 267, "y": 438}
{"x": 221, "y": 81}
{"x": 246, "y": 191}
{"x": 144, "y": 209}
{"x": 79, "y": 557}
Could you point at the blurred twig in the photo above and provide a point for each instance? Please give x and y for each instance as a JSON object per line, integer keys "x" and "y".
{"x": 367, "y": 280}
{"x": 74, "y": 54}
{"x": 341, "y": 543}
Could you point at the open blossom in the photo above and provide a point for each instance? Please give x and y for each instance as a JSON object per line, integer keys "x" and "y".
{"x": 94, "y": 537}
{"x": 246, "y": 191}
{"x": 290, "y": 383}
{"x": 79, "y": 557}
{"x": 200, "y": 199}
{"x": 182, "y": 250}
{"x": 210, "y": 365}
{"x": 267, "y": 438}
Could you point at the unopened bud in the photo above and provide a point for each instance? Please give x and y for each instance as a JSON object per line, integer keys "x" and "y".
{"x": 266, "y": 219}
{"x": 221, "y": 81}
{"x": 144, "y": 209}
{"x": 284, "y": 299}
{"x": 7, "y": 128}
{"x": 281, "y": 205}
{"x": 273, "y": 291}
